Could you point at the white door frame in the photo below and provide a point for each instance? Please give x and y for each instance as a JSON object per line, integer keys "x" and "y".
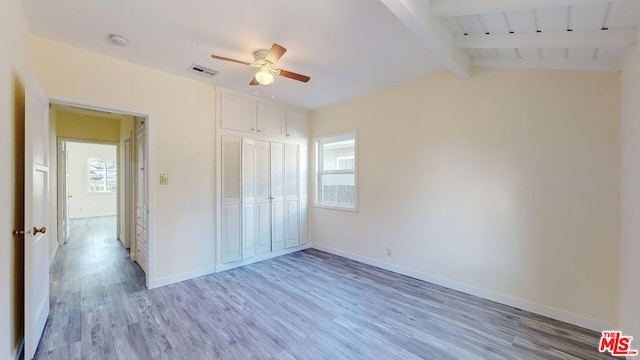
{"x": 63, "y": 194}
{"x": 150, "y": 278}
{"x": 128, "y": 183}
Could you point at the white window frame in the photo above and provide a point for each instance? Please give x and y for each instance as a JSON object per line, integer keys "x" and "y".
{"x": 319, "y": 172}
{"x": 106, "y": 176}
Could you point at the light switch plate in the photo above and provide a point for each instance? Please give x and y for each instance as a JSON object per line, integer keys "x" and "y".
{"x": 164, "y": 179}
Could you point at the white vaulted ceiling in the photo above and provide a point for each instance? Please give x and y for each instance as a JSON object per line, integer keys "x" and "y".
{"x": 573, "y": 35}
{"x": 348, "y": 47}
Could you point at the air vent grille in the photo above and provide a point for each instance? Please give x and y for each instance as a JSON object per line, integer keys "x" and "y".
{"x": 202, "y": 71}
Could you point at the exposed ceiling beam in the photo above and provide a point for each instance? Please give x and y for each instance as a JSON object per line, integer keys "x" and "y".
{"x": 614, "y": 38}
{"x": 450, "y": 8}
{"x": 551, "y": 64}
{"x": 433, "y": 33}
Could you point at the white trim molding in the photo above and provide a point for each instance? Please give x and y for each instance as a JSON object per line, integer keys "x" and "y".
{"x": 258, "y": 258}
{"x": 475, "y": 291}
{"x": 613, "y": 38}
{"x": 451, "y": 8}
{"x": 551, "y": 64}
{"x": 167, "y": 280}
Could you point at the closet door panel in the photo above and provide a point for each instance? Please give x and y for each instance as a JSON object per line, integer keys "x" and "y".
{"x": 277, "y": 233}
{"x": 263, "y": 197}
{"x": 249, "y": 231}
{"x": 277, "y": 194}
{"x": 248, "y": 198}
{"x": 292, "y": 217}
{"x": 231, "y": 239}
{"x": 263, "y": 228}
{"x": 292, "y": 195}
{"x": 304, "y": 222}
{"x": 231, "y": 236}
{"x": 271, "y": 119}
{"x": 297, "y": 124}
{"x": 237, "y": 113}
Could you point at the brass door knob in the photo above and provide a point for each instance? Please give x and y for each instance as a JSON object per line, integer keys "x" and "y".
{"x": 41, "y": 230}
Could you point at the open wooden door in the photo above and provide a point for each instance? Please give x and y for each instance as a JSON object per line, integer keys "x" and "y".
{"x": 36, "y": 217}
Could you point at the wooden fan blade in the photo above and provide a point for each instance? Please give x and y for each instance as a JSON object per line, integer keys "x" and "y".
{"x": 229, "y": 59}
{"x": 275, "y": 53}
{"x": 294, "y": 76}
{"x": 254, "y": 81}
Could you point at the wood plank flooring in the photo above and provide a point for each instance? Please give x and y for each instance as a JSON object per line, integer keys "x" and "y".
{"x": 306, "y": 305}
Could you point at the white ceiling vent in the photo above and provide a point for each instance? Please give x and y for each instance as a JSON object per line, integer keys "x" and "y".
{"x": 202, "y": 71}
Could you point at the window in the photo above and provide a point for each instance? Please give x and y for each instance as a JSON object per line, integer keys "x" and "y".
{"x": 336, "y": 182}
{"x": 102, "y": 175}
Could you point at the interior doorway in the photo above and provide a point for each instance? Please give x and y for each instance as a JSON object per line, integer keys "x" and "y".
{"x": 96, "y": 182}
{"x": 89, "y": 187}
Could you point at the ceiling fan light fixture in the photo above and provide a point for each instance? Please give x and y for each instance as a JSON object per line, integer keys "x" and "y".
{"x": 264, "y": 76}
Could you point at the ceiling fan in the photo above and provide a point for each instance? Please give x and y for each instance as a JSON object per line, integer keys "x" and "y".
{"x": 266, "y": 61}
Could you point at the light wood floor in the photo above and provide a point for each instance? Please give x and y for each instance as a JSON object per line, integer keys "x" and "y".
{"x": 307, "y": 305}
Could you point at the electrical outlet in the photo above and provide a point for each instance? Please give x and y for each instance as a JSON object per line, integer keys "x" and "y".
{"x": 164, "y": 179}
{"x": 389, "y": 252}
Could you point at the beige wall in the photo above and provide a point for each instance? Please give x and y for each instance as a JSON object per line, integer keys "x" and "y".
{"x": 181, "y": 136}
{"x": 14, "y": 77}
{"x": 504, "y": 185}
{"x": 630, "y": 197}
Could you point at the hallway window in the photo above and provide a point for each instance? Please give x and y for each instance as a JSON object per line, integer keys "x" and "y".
{"x": 102, "y": 175}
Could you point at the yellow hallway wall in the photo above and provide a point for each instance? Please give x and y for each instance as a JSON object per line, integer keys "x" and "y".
{"x": 84, "y": 127}
{"x": 181, "y": 129}
{"x": 504, "y": 184}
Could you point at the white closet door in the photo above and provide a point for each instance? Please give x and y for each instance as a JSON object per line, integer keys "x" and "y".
{"x": 292, "y": 195}
{"x": 231, "y": 242}
{"x": 237, "y": 113}
{"x": 271, "y": 119}
{"x": 248, "y": 198}
{"x": 277, "y": 195}
{"x": 304, "y": 195}
{"x": 263, "y": 197}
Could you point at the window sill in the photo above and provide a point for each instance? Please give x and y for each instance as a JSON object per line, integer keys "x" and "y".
{"x": 334, "y": 207}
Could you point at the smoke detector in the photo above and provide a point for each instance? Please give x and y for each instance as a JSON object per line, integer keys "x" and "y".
{"x": 118, "y": 40}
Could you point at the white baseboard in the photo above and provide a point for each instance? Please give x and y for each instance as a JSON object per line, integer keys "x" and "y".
{"x": 18, "y": 351}
{"x": 476, "y": 291}
{"x": 255, "y": 259}
{"x": 156, "y": 283}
